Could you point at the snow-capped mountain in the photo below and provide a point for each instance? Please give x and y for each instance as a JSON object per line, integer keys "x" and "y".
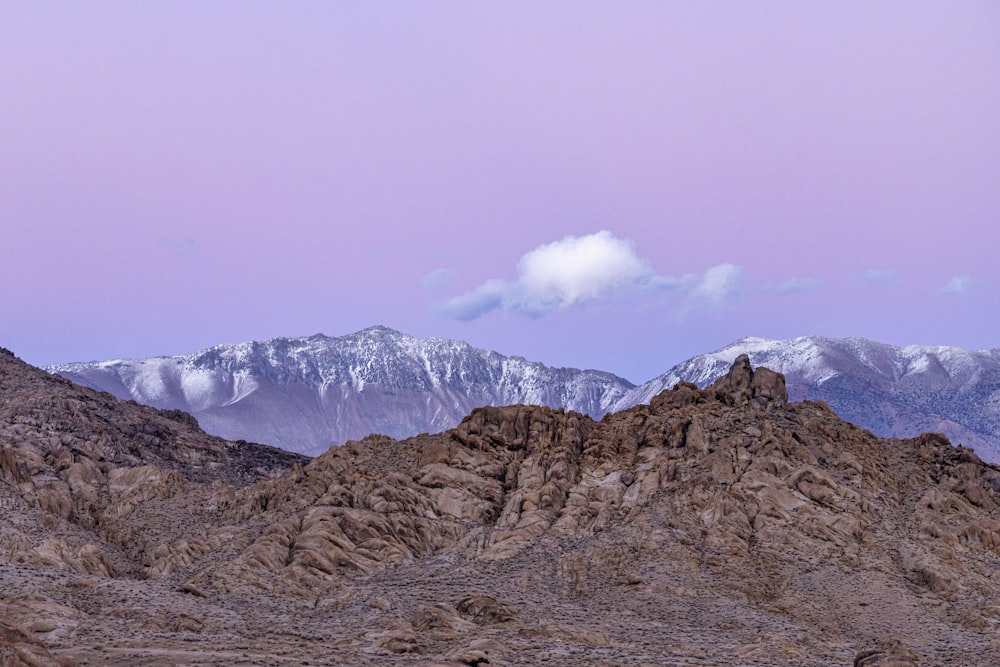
{"x": 304, "y": 394}
{"x": 892, "y": 391}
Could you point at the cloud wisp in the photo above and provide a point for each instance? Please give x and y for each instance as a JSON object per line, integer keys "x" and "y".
{"x": 437, "y": 279}
{"x": 714, "y": 289}
{"x": 586, "y": 269}
{"x": 957, "y": 286}
{"x": 793, "y": 286}
{"x": 873, "y": 277}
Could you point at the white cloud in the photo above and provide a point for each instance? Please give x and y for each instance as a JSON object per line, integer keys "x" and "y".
{"x": 718, "y": 285}
{"x": 793, "y": 286}
{"x": 714, "y": 290}
{"x": 957, "y": 286}
{"x": 576, "y": 270}
{"x": 584, "y": 269}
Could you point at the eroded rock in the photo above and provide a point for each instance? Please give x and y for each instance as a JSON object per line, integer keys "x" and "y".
{"x": 710, "y": 524}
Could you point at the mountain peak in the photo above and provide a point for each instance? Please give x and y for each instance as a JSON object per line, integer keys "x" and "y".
{"x": 380, "y": 330}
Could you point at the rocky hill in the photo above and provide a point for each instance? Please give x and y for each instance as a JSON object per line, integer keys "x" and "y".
{"x": 304, "y": 394}
{"x": 720, "y": 525}
{"x": 893, "y": 391}
{"x": 76, "y": 466}
{"x": 49, "y": 423}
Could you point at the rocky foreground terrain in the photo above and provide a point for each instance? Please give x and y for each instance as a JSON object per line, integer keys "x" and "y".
{"x": 715, "y": 526}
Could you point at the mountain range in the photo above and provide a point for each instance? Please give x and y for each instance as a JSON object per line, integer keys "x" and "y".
{"x": 303, "y": 394}
{"x": 721, "y": 525}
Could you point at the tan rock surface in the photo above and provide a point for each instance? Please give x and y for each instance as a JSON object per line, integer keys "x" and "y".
{"x": 711, "y": 527}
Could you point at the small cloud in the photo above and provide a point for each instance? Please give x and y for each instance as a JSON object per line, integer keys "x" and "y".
{"x": 717, "y": 286}
{"x": 576, "y": 270}
{"x": 715, "y": 290}
{"x": 793, "y": 286}
{"x": 876, "y": 277}
{"x": 957, "y": 286}
{"x": 437, "y": 279}
{"x": 584, "y": 269}
{"x": 488, "y": 296}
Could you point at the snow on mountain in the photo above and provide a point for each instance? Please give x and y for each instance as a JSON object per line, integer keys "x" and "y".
{"x": 892, "y": 391}
{"x": 304, "y": 394}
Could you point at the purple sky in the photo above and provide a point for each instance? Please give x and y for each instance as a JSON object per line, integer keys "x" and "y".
{"x": 613, "y": 185}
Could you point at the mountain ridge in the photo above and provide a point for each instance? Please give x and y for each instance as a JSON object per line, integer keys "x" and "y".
{"x": 306, "y": 393}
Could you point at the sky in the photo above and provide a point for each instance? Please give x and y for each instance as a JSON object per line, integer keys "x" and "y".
{"x": 617, "y": 186}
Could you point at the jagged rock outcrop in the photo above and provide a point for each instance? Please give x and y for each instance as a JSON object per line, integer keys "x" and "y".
{"x": 892, "y": 391}
{"x": 742, "y": 385}
{"x": 729, "y": 480}
{"x": 708, "y": 526}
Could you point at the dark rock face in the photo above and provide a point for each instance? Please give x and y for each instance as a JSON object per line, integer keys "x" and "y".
{"x": 708, "y": 526}
{"x": 742, "y": 385}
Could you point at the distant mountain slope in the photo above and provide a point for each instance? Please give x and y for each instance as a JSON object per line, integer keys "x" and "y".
{"x": 304, "y": 394}
{"x": 892, "y": 391}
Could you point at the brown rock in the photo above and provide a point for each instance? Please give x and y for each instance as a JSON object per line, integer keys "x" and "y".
{"x": 484, "y": 610}
{"x": 742, "y": 385}
{"x": 887, "y": 654}
{"x": 709, "y": 526}
{"x": 20, "y": 648}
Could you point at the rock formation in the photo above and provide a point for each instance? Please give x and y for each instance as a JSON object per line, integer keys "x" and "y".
{"x": 892, "y": 391}
{"x": 721, "y": 525}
